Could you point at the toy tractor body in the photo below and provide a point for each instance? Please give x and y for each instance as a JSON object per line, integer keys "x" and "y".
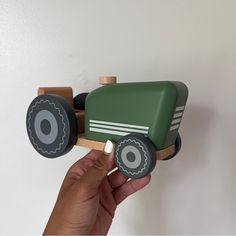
{"x": 153, "y": 109}
{"x": 142, "y": 119}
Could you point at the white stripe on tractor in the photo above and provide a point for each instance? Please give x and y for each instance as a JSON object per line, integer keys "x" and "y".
{"x": 119, "y": 128}
{"x": 176, "y": 115}
{"x": 106, "y": 131}
{"x": 118, "y": 124}
{"x": 179, "y": 108}
{"x": 174, "y": 127}
{"x": 176, "y": 121}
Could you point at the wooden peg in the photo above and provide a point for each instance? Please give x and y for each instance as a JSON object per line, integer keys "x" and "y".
{"x": 106, "y": 80}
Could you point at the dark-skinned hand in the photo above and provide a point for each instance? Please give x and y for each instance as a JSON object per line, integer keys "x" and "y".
{"x": 88, "y": 197}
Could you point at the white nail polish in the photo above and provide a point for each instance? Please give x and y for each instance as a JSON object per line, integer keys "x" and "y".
{"x": 108, "y": 149}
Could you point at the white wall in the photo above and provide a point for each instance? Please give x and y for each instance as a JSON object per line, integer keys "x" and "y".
{"x": 56, "y": 43}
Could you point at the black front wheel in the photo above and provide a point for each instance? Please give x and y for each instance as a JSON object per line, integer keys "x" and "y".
{"x": 135, "y": 156}
{"x": 51, "y": 125}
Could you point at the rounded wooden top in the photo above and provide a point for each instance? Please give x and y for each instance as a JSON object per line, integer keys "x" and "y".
{"x": 106, "y": 80}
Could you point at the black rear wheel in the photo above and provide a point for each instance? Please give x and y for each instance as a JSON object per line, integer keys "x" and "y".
{"x": 135, "y": 156}
{"x": 79, "y": 101}
{"x": 51, "y": 125}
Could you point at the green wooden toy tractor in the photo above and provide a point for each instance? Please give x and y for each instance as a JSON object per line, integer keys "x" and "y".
{"x": 142, "y": 119}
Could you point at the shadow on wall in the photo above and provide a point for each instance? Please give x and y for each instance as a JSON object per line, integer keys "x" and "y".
{"x": 152, "y": 217}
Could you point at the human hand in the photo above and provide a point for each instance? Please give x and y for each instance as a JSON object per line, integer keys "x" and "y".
{"x": 88, "y": 196}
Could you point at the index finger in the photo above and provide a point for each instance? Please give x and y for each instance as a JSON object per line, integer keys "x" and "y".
{"x": 81, "y": 166}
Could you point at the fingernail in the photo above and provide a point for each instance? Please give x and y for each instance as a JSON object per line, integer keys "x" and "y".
{"x": 108, "y": 149}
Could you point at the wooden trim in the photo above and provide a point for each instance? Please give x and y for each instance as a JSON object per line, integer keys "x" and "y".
{"x": 80, "y": 120}
{"x": 164, "y": 153}
{"x": 83, "y": 142}
{"x": 65, "y": 92}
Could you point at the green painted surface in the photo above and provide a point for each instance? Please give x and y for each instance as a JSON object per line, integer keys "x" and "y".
{"x": 149, "y": 104}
